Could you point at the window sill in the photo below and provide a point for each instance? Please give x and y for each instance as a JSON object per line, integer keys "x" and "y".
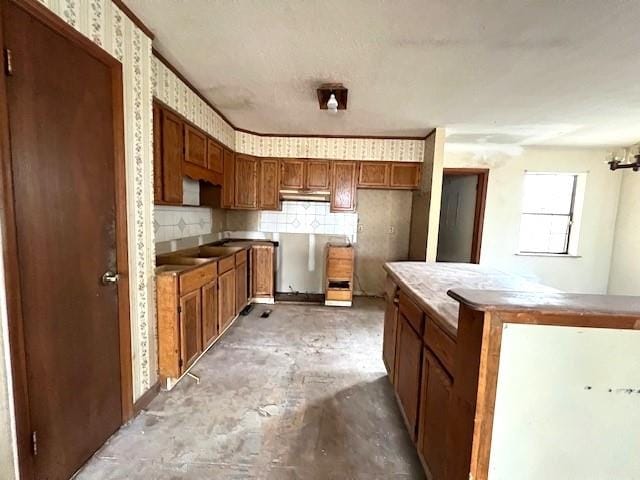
{"x": 557, "y": 255}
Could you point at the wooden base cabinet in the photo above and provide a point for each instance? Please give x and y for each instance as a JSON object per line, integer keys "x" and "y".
{"x": 390, "y": 336}
{"x": 262, "y": 272}
{"x": 242, "y": 278}
{"x": 190, "y": 329}
{"x": 227, "y": 298}
{"x": 209, "y": 313}
{"x": 434, "y": 406}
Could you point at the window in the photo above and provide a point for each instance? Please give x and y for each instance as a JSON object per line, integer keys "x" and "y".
{"x": 548, "y": 212}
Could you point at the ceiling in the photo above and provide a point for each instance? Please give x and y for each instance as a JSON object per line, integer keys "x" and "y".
{"x": 543, "y": 72}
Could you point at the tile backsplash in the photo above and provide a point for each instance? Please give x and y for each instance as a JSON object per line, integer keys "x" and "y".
{"x": 309, "y": 217}
{"x": 170, "y": 223}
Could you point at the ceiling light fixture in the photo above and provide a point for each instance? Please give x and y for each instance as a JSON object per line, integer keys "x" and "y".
{"x": 332, "y": 97}
{"x": 617, "y": 162}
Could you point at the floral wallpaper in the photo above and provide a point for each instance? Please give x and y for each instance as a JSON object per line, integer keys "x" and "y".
{"x": 106, "y": 25}
{"x": 169, "y": 89}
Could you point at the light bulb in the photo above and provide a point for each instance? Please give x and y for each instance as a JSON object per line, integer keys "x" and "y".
{"x": 332, "y": 104}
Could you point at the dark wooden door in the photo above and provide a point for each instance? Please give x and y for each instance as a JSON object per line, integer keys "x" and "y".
{"x": 246, "y": 182}
{"x": 226, "y": 298}
{"x": 190, "y": 325}
{"x": 172, "y": 155}
{"x": 61, "y": 121}
{"x": 229, "y": 179}
{"x": 157, "y": 154}
{"x": 269, "y": 192}
{"x": 408, "y": 372}
{"x": 343, "y": 186}
{"x": 434, "y": 407}
{"x": 209, "y": 313}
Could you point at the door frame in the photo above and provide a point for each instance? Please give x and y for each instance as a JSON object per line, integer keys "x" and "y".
{"x": 481, "y": 203}
{"x": 8, "y": 227}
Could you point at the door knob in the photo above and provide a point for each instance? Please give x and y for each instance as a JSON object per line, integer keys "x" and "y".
{"x": 110, "y": 278}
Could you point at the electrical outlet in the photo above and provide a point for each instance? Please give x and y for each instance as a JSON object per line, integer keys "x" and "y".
{"x": 392, "y": 229}
{"x": 360, "y": 227}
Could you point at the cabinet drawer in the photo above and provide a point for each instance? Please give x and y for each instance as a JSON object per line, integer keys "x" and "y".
{"x": 195, "y": 279}
{"x": 440, "y": 344}
{"x": 241, "y": 257}
{"x": 341, "y": 253}
{"x": 339, "y": 295}
{"x": 412, "y": 313}
{"x": 226, "y": 264}
{"x": 340, "y": 269}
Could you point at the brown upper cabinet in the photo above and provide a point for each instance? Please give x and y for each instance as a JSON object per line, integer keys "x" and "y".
{"x": 292, "y": 174}
{"x": 405, "y": 175}
{"x": 215, "y": 161}
{"x": 269, "y": 181}
{"x": 246, "y": 182}
{"x": 172, "y": 154}
{"x": 195, "y": 146}
{"x": 396, "y": 175}
{"x": 318, "y": 174}
{"x": 157, "y": 154}
{"x": 373, "y": 175}
{"x": 343, "y": 186}
{"x": 229, "y": 181}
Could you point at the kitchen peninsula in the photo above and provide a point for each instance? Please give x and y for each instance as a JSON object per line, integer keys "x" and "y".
{"x": 463, "y": 346}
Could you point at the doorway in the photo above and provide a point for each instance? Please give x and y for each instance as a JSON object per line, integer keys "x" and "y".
{"x": 65, "y": 249}
{"x": 464, "y": 193}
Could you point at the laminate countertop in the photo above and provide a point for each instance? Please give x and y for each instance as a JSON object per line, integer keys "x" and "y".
{"x": 427, "y": 284}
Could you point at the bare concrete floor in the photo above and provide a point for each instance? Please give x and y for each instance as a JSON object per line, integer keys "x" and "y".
{"x": 300, "y": 395}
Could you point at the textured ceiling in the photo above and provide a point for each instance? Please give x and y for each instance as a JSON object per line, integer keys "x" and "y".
{"x": 493, "y": 71}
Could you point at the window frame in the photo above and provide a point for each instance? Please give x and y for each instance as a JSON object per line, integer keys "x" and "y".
{"x": 567, "y": 246}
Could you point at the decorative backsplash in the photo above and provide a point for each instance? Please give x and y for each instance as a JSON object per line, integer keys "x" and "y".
{"x": 309, "y": 217}
{"x": 171, "y": 223}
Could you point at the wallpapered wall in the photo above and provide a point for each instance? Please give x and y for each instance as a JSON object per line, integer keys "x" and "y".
{"x": 108, "y": 27}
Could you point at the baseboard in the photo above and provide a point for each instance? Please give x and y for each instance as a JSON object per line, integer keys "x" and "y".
{"x": 146, "y": 398}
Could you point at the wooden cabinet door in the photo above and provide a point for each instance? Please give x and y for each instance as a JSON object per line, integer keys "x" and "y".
{"x": 157, "y": 153}
{"x": 434, "y": 406}
{"x": 390, "y": 337}
{"x": 215, "y": 161}
{"x": 343, "y": 186}
{"x": 291, "y": 174}
{"x": 317, "y": 176}
{"x": 229, "y": 179}
{"x": 172, "y": 155}
{"x": 246, "y": 182}
{"x": 190, "y": 333}
{"x": 226, "y": 298}
{"x": 373, "y": 175}
{"x": 209, "y": 313}
{"x": 195, "y": 146}
{"x": 269, "y": 194}
{"x": 405, "y": 175}
{"x": 262, "y": 259}
{"x": 408, "y": 373}
{"x": 241, "y": 287}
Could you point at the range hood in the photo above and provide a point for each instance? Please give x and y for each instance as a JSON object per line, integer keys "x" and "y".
{"x": 305, "y": 195}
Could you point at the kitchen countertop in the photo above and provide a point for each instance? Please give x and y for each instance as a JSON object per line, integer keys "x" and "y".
{"x": 427, "y": 284}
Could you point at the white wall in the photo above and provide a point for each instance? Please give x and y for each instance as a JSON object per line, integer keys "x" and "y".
{"x": 625, "y": 263}
{"x": 567, "y": 404}
{"x": 587, "y": 273}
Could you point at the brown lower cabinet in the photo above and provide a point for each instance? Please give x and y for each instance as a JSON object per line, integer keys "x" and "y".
{"x": 418, "y": 356}
{"x": 262, "y": 271}
{"x": 227, "y": 293}
{"x": 209, "y": 313}
{"x": 190, "y": 328}
{"x": 242, "y": 278}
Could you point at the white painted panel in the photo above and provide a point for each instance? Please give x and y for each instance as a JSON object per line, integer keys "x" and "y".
{"x": 568, "y": 405}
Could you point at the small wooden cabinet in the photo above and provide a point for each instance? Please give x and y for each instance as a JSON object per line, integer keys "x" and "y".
{"x": 246, "y": 182}
{"x": 317, "y": 175}
{"x": 242, "y": 279}
{"x": 373, "y": 175}
{"x": 190, "y": 328}
{"x": 343, "y": 186}
{"x": 227, "y": 298}
{"x": 405, "y": 175}
{"x": 195, "y": 146}
{"x": 209, "y": 313}
{"x": 436, "y": 387}
{"x": 172, "y": 134}
{"x": 269, "y": 183}
{"x": 229, "y": 182}
{"x": 215, "y": 161}
{"x": 292, "y": 174}
{"x": 262, "y": 272}
{"x": 390, "y": 334}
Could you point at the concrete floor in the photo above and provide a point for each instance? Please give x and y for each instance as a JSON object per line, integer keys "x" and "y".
{"x": 300, "y": 395}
